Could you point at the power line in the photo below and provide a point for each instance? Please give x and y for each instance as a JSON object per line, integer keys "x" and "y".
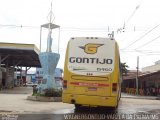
{"x": 133, "y": 13}
{"x": 122, "y": 29}
{"x": 104, "y": 29}
{"x": 133, "y": 50}
{"x": 148, "y": 51}
{"x": 109, "y": 29}
{"x": 142, "y": 36}
{"x": 148, "y": 42}
{"x": 131, "y": 16}
{"x": 18, "y": 26}
{"x": 140, "y": 51}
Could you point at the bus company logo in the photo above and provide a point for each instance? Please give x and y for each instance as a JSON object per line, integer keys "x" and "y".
{"x": 91, "y": 48}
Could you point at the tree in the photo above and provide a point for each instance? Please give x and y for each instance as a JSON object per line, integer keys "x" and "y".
{"x": 124, "y": 68}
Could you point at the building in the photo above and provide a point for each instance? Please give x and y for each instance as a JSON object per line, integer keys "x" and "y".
{"x": 14, "y": 57}
{"x": 148, "y": 79}
{"x": 129, "y": 80}
{"x": 152, "y": 68}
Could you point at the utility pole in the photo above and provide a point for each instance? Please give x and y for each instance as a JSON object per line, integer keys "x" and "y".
{"x": 137, "y": 75}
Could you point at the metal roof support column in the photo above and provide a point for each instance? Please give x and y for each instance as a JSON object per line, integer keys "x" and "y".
{"x": 14, "y": 74}
{"x": 21, "y": 80}
{"x": 6, "y": 83}
{"x": 17, "y": 63}
{"x": 0, "y": 61}
{"x": 26, "y": 73}
{"x": 0, "y": 75}
{"x": 18, "y": 79}
{"x": 28, "y": 68}
{"x": 4, "y": 58}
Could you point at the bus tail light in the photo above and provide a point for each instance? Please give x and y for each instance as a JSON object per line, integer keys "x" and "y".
{"x": 114, "y": 87}
{"x": 64, "y": 84}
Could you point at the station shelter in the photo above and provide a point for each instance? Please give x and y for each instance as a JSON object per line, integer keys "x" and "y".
{"x": 147, "y": 82}
{"x": 13, "y": 58}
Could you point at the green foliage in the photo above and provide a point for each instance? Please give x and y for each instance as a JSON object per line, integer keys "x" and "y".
{"x": 52, "y": 92}
{"x": 124, "y": 68}
{"x": 49, "y": 93}
{"x": 37, "y": 94}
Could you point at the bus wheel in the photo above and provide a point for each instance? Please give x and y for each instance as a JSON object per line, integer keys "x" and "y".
{"x": 119, "y": 97}
{"x": 77, "y": 106}
{"x": 117, "y": 103}
{"x": 116, "y": 107}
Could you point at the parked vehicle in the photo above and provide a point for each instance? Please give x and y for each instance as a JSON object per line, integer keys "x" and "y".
{"x": 31, "y": 84}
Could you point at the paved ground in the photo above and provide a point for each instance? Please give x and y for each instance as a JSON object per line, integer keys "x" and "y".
{"x": 125, "y": 95}
{"x": 16, "y": 101}
{"x": 17, "y": 90}
{"x": 29, "y": 90}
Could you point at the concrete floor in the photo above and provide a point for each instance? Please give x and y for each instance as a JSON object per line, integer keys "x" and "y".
{"x": 15, "y": 100}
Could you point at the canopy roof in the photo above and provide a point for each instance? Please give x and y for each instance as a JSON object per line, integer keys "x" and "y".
{"x": 13, "y": 54}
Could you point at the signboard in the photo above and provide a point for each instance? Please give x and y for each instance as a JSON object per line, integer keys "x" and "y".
{"x": 91, "y": 56}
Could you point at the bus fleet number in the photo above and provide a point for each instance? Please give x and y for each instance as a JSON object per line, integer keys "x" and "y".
{"x": 104, "y": 69}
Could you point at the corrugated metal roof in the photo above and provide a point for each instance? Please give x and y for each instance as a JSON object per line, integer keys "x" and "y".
{"x": 19, "y": 54}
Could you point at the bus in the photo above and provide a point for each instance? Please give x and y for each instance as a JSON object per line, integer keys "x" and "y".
{"x": 92, "y": 72}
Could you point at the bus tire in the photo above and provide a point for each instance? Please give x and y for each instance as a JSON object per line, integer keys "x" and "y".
{"x": 119, "y": 96}
{"x": 117, "y": 102}
{"x": 77, "y": 106}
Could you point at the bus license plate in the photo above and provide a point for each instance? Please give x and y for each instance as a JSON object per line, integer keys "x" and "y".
{"x": 92, "y": 89}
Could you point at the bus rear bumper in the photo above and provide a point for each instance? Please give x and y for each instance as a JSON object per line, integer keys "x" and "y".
{"x": 86, "y": 100}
